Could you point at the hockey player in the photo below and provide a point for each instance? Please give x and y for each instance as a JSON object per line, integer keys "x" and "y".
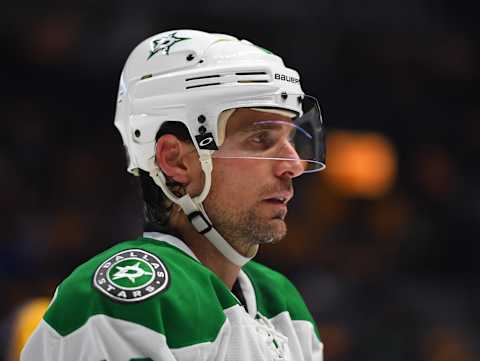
{"x": 216, "y": 129}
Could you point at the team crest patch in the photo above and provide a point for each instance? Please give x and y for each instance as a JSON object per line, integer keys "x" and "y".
{"x": 131, "y": 276}
{"x": 164, "y": 43}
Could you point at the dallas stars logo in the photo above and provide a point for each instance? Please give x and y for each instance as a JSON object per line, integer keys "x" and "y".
{"x": 164, "y": 43}
{"x": 130, "y": 276}
{"x": 124, "y": 272}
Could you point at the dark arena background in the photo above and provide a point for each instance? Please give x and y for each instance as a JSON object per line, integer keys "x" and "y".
{"x": 383, "y": 244}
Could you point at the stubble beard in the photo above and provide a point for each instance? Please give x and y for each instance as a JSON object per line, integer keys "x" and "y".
{"x": 247, "y": 230}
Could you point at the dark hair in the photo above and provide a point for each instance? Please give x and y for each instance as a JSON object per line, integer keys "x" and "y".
{"x": 156, "y": 206}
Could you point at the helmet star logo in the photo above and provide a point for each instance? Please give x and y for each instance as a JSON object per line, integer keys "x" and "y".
{"x": 164, "y": 43}
{"x": 131, "y": 272}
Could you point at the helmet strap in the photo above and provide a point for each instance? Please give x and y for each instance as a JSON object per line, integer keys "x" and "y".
{"x": 195, "y": 212}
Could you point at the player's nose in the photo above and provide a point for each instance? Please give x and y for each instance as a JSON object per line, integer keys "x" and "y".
{"x": 289, "y": 163}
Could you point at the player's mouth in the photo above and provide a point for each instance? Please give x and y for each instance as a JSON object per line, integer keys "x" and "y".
{"x": 279, "y": 198}
{"x": 276, "y": 200}
{"x": 279, "y": 201}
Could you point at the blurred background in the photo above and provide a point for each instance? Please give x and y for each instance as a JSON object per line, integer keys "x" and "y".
{"x": 383, "y": 244}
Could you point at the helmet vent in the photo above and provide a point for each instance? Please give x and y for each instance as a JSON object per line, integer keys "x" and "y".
{"x": 201, "y": 85}
{"x": 195, "y": 81}
{"x": 252, "y": 77}
{"x": 252, "y": 81}
{"x": 204, "y": 77}
{"x": 252, "y": 73}
{"x": 240, "y": 77}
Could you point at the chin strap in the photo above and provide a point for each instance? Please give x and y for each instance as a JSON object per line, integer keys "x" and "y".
{"x": 195, "y": 212}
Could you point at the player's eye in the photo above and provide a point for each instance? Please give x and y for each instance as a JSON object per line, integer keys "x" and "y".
{"x": 263, "y": 140}
{"x": 291, "y": 136}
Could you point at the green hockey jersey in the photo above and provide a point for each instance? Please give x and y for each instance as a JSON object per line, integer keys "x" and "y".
{"x": 151, "y": 299}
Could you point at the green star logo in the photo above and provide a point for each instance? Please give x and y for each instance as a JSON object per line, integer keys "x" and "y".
{"x": 131, "y": 275}
{"x": 164, "y": 43}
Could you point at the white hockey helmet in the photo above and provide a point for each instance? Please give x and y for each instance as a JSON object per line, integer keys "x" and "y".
{"x": 197, "y": 78}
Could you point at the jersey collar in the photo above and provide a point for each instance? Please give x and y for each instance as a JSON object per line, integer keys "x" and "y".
{"x": 245, "y": 283}
{"x": 171, "y": 240}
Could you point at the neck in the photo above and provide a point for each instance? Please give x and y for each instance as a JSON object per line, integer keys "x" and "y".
{"x": 205, "y": 251}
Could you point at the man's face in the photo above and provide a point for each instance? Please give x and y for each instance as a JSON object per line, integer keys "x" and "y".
{"x": 248, "y": 199}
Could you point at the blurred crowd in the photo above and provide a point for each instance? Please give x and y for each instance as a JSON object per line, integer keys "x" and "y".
{"x": 382, "y": 244}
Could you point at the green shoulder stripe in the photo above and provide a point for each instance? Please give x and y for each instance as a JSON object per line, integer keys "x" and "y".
{"x": 178, "y": 311}
{"x": 276, "y": 294}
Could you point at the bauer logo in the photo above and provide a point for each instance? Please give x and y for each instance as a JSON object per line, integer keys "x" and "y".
{"x": 130, "y": 276}
{"x": 287, "y": 78}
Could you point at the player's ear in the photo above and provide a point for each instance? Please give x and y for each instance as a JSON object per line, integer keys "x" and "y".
{"x": 172, "y": 156}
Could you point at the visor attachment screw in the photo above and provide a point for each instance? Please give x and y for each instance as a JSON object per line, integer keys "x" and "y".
{"x": 284, "y": 95}
{"x": 300, "y": 99}
{"x": 202, "y": 130}
{"x": 137, "y": 133}
{"x": 201, "y": 118}
{"x": 190, "y": 57}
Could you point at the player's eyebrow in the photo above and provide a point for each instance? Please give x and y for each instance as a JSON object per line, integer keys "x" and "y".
{"x": 264, "y": 124}
{"x": 274, "y": 124}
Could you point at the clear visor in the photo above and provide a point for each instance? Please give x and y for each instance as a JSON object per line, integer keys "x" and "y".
{"x": 277, "y": 134}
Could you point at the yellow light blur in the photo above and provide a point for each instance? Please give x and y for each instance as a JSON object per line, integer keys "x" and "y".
{"x": 360, "y": 164}
{"x": 26, "y": 321}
